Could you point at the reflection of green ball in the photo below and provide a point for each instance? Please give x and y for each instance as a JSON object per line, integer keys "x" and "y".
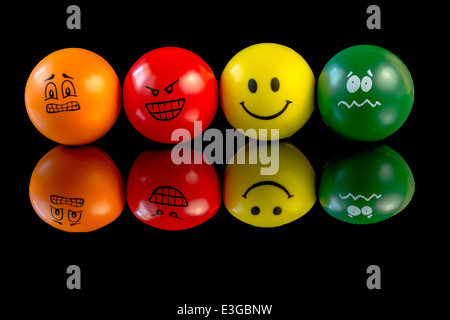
{"x": 366, "y": 186}
{"x": 365, "y": 93}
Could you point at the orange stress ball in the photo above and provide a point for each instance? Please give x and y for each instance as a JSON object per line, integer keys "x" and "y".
{"x": 77, "y": 189}
{"x": 73, "y": 96}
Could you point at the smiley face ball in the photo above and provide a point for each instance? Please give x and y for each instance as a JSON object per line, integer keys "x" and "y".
{"x": 167, "y": 89}
{"x": 365, "y": 93}
{"x": 73, "y": 96}
{"x": 267, "y": 86}
{"x": 272, "y": 195}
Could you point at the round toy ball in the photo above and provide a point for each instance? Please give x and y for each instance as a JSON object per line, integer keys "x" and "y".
{"x": 267, "y": 87}
{"x": 72, "y": 96}
{"x": 167, "y": 89}
{"x": 365, "y": 93}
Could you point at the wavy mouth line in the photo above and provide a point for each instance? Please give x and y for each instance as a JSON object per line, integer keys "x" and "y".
{"x": 354, "y": 103}
{"x": 166, "y": 110}
{"x": 266, "y": 117}
{"x": 69, "y": 106}
{"x": 378, "y": 196}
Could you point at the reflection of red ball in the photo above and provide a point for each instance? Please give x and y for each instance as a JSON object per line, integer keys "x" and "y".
{"x": 169, "y": 88}
{"x": 169, "y": 196}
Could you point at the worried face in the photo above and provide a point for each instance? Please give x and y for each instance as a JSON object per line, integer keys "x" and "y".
{"x": 355, "y": 209}
{"x": 365, "y": 93}
{"x": 60, "y": 98}
{"x": 354, "y": 83}
{"x": 66, "y": 210}
{"x": 366, "y": 186}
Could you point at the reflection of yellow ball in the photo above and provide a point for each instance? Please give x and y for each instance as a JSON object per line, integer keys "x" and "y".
{"x": 267, "y": 86}
{"x": 269, "y": 200}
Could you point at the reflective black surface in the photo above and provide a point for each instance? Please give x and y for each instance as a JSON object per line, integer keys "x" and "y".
{"x": 314, "y": 263}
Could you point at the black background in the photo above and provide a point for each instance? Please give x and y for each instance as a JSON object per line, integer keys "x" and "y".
{"x": 316, "y": 263}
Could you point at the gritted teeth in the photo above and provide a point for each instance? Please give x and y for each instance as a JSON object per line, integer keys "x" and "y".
{"x": 74, "y": 202}
{"x": 169, "y": 196}
{"x": 165, "y": 110}
{"x": 69, "y": 106}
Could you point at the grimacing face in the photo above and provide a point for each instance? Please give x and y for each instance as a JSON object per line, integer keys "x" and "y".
{"x": 365, "y": 93}
{"x": 366, "y": 186}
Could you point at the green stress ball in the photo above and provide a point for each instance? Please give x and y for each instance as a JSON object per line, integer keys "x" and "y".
{"x": 366, "y": 186}
{"x": 365, "y": 93}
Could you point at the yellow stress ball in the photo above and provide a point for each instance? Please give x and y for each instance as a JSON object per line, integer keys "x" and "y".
{"x": 269, "y": 200}
{"x": 267, "y": 86}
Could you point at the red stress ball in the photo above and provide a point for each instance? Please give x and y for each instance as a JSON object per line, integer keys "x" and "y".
{"x": 172, "y": 196}
{"x": 167, "y": 89}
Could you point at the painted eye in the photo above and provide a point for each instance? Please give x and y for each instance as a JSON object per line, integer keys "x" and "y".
{"x": 255, "y": 211}
{"x": 366, "y": 210}
{"x": 252, "y": 86}
{"x": 175, "y": 215}
{"x": 50, "y": 91}
{"x": 275, "y": 84}
{"x": 57, "y": 213}
{"x": 353, "y": 211}
{"x": 158, "y": 212}
{"x": 353, "y": 84}
{"x": 154, "y": 91}
{"x": 366, "y": 83}
{"x": 68, "y": 89}
{"x": 276, "y": 211}
{"x": 74, "y": 216}
{"x": 169, "y": 88}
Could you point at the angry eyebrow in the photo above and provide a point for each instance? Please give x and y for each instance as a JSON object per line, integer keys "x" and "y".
{"x": 50, "y": 78}
{"x": 66, "y": 76}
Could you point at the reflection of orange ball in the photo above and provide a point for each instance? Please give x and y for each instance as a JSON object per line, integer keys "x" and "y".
{"x": 77, "y": 189}
{"x": 73, "y": 96}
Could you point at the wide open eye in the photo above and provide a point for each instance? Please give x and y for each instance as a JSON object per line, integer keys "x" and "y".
{"x": 353, "y": 84}
{"x": 366, "y": 83}
{"x": 50, "y": 91}
{"x": 252, "y": 86}
{"x": 68, "y": 89}
{"x": 353, "y": 211}
{"x": 57, "y": 213}
{"x": 366, "y": 210}
{"x": 74, "y": 216}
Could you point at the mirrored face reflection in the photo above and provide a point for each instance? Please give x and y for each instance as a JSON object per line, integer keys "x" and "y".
{"x": 366, "y": 186}
{"x": 77, "y": 189}
{"x": 269, "y": 200}
{"x": 168, "y": 196}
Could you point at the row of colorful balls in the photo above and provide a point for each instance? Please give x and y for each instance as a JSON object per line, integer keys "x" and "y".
{"x": 81, "y": 189}
{"x": 73, "y": 96}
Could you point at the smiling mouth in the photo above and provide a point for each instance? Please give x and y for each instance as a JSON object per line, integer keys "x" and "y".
{"x": 166, "y": 110}
{"x": 69, "y": 106}
{"x": 266, "y": 117}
